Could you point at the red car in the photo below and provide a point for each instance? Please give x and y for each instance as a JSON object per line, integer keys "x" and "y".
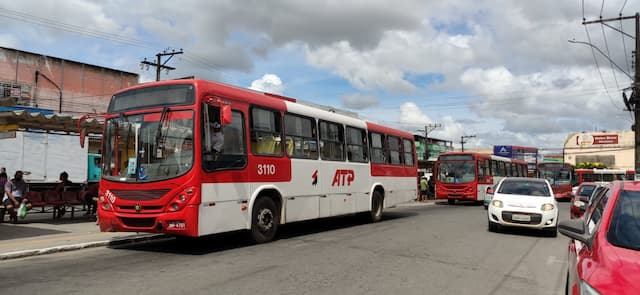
{"x": 604, "y": 253}
{"x": 580, "y": 199}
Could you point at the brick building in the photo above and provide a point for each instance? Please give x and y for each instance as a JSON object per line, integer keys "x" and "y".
{"x": 62, "y": 85}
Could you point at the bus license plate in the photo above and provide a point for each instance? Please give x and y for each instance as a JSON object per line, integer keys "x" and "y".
{"x": 520, "y": 217}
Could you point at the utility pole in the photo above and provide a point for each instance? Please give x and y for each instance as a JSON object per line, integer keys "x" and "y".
{"x": 159, "y": 64}
{"x": 428, "y": 128}
{"x": 462, "y": 140}
{"x": 633, "y": 103}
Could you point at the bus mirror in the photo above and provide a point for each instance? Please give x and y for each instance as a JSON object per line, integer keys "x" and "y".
{"x": 83, "y": 135}
{"x": 225, "y": 114}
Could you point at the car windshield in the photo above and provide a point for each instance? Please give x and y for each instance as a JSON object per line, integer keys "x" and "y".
{"x": 456, "y": 171}
{"x": 524, "y": 187}
{"x": 624, "y": 230}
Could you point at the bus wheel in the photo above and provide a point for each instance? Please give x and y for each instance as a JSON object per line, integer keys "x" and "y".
{"x": 377, "y": 203}
{"x": 451, "y": 201}
{"x": 264, "y": 220}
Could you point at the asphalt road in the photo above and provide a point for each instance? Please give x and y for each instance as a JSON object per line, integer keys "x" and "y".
{"x": 439, "y": 249}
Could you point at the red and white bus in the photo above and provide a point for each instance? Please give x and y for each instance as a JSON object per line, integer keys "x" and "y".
{"x": 559, "y": 176}
{"x": 281, "y": 161}
{"x": 601, "y": 175}
{"x": 467, "y": 175}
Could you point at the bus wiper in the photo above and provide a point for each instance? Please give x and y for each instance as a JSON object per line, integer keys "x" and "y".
{"x": 163, "y": 118}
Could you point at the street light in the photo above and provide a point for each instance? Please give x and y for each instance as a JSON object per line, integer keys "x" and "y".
{"x": 462, "y": 140}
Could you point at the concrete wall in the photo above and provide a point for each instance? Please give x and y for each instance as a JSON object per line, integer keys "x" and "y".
{"x": 85, "y": 88}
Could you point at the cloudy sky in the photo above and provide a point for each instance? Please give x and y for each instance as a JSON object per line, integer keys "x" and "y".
{"x": 503, "y": 71}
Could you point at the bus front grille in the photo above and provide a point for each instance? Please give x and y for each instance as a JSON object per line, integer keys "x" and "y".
{"x": 138, "y": 222}
{"x": 140, "y": 195}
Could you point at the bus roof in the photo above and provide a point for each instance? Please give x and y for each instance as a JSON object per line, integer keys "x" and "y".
{"x": 275, "y": 101}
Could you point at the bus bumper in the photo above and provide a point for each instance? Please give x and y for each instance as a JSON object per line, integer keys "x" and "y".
{"x": 183, "y": 222}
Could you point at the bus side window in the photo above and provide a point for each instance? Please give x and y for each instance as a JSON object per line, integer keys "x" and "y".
{"x": 408, "y": 152}
{"x": 300, "y": 137}
{"x": 233, "y": 153}
{"x": 357, "y": 145}
{"x": 376, "y": 144}
{"x": 265, "y": 132}
{"x": 331, "y": 141}
{"x": 394, "y": 150}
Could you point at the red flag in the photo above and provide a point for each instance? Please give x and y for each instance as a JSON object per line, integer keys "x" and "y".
{"x": 225, "y": 114}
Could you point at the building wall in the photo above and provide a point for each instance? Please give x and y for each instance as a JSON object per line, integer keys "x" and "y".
{"x": 85, "y": 88}
{"x": 613, "y": 148}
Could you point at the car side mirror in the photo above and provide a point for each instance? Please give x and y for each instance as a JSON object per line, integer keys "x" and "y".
{"x": 580, "y": 205}
{"x": 575, "y": 229}
{"x": 490, "y": 191}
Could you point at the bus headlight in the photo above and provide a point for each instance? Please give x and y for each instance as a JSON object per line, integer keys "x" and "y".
{"x": 496, "y": 203}
{"x": 547, "y": 207}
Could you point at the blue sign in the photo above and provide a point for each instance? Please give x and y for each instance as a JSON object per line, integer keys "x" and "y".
{"x": 503, "y": 151}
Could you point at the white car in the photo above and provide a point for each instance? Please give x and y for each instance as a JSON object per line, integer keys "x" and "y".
{"x": 523, "y": 202}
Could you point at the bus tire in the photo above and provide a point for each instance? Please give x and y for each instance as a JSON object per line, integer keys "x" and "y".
{"x": 264, "y": 220}
{"x": 377, "y": 204}
{"x": 451, "y": 201}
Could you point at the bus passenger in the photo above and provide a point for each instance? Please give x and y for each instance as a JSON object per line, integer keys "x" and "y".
{"x": 217, "y": 138}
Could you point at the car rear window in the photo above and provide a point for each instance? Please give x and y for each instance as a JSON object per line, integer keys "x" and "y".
{"x": 524, "y": 187}
{"x": 624, "y": 230}
{"x": 586, "y": 190}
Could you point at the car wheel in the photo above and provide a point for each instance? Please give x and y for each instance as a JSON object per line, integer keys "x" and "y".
{"x": 451, "y": 201}
{"x": 376, "y": 207}
{"x": 552, "y": 232}
{"x": 486, "y": 207}
{"x": 264, "y": 220}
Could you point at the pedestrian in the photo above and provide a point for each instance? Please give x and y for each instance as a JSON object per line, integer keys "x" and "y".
{"x": 3, "y": 179}
{"x": 3, "y": 170}
{"x": 14, "y": 195}
{"x": 423, "y": 188}
{"x": 62, "y": 186}
{"x": 91, "y": 199}
{"x": 432, "y": 188}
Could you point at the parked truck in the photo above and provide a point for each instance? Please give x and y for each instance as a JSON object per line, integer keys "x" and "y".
{"x": 42, "y": 156}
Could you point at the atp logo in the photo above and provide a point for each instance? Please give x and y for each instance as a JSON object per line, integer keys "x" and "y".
{"x": 315, "y": 178}
{"x": 343, "y": 177}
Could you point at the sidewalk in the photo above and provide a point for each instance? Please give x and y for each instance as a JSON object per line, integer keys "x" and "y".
{"x": 39, "y": 234}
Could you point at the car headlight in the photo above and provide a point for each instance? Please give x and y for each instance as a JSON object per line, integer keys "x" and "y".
{"x": 586, "y": 289}
{"x": 496, "y": 203}
{"x": 547, "y": 207}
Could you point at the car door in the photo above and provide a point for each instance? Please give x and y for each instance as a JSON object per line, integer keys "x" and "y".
{"x": 579, "y": 254}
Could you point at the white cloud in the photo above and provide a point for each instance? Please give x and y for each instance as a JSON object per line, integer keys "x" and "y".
{"x": 268, "y": 83}
{"x": 358, "y": 101}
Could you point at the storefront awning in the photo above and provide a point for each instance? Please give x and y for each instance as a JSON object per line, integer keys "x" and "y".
{"x": 27, "y": 120}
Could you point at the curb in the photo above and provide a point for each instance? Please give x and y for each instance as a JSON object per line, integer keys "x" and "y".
{"x": 64, "y": 248}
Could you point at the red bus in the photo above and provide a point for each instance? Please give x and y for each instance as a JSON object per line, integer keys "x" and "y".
{"x": 601, "y": 175}
{"x": 280, "y": 161}
{"x": 468, "y": 175}
{"x": 559, "y": 176}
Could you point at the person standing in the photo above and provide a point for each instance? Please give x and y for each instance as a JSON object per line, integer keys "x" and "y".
{"x": 431, "y": 194}
{"x": 14, "y": 195}
{"x": 423, "y": 189}
{"x": 62, "y": 186}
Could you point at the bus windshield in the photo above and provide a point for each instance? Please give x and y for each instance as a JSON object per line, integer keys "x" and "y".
{"x": 148, "y": 147}
{"x": 456, "y": 171}
{"x": 556, "y": 176}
